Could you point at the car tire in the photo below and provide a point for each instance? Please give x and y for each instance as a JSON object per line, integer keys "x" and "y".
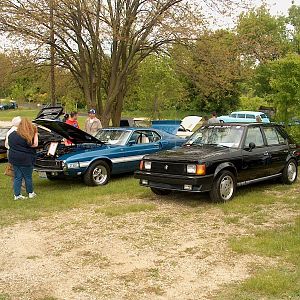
{"x": 97, "y": 174}
{"x": 223, "y": 188}
{"x": 160, "y": 192}
{"x": 290, "y": 172}
{"x": 221, "y": 121}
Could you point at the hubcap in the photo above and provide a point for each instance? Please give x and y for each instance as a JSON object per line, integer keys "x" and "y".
{"x": 291, "y": 171}
{"x": 100, "y": 175}
{"x": 226, "y": 187}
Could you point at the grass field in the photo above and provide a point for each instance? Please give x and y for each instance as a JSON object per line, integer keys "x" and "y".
{"x": 263, "y": 229}
{"x": 122, "y": 242}
{"x": 7, "y": 115}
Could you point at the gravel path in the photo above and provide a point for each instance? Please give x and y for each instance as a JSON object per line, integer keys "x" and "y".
{"x": 174, "y": 252}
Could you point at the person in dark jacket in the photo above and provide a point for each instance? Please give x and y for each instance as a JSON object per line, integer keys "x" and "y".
{"x": 22, "y": 154}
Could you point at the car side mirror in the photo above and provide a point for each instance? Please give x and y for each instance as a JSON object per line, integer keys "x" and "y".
{"x": 251, "y": 146}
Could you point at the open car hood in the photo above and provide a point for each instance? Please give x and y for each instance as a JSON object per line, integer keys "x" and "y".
{"x": 190, "y": 122}
{"x": 169, "y": 126}
{"x": 75, "y": 135}
{"x": 50, "y": 113}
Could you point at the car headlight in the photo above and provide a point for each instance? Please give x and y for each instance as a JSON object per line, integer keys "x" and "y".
{"x": 191, "y": 169}
{"x": 74, "y": 165}
{"x": 196, "y": 169}
{"x": 147, "y": 165}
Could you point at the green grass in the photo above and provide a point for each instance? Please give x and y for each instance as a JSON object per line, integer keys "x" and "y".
{"x": 281, "y": 282}
{"x": 60, "y": 195}
{"x": 283, "y": 243}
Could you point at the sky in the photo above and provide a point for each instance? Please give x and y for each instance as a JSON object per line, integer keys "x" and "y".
{"x": 277, "y": 7}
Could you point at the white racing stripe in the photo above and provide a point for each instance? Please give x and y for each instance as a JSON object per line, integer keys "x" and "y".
{"x": 126, "y": 159}
{"x": 116, "y": 160}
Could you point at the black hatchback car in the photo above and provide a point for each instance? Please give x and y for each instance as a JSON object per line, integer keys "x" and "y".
{"x": 218, "y": 158}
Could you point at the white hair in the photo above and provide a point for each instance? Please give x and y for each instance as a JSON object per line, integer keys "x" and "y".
{"x": 16, "y": 121}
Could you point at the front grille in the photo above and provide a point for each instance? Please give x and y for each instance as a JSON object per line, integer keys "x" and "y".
{"x": 49, "y": 164}
{"x": 168, "y": 168}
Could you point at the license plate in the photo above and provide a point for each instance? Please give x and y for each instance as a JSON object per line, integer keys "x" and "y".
{"x": 42, "y": 174}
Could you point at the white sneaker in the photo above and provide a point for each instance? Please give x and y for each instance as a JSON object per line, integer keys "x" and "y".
{"x": 32, "y": 195}
{"x": 20, "y": 197}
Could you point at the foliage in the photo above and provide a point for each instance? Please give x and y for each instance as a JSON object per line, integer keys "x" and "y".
{"x": 262, "y": 37}
{"x": 157, "y": 87}
{"x": 212, "y": 69}
{"x": 252, "y": 103}
{"x": 101, "y": 43}
{"x": 285, "y": 85}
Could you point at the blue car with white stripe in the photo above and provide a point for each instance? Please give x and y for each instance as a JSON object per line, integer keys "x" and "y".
{"x": 96, "y": 158}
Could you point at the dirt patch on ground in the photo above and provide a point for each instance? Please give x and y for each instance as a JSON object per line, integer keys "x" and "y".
{"x": 176, "y": 251}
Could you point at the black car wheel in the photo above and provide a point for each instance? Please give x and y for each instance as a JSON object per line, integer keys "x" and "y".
{"x": 97, "y": 174}
{"x": 223, "y": 188}
{"x": 160, "y": 191}
{"x": 290, "y": 172}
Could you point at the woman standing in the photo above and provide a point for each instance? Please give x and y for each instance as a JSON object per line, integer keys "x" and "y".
{"x": 22, "y": 155}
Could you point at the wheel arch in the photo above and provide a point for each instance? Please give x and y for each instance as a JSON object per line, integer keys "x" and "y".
{"x": 99, "y": 159}
{"x": 226, "y": 166}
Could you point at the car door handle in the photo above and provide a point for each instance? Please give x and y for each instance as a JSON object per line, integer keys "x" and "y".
{"x": 266, "y": 153}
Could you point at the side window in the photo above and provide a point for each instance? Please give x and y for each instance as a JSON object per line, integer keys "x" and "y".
{"x": 263, "y": 116}
{"x": 254, "y": 136}
{"x": 271, "y": 136}
{"x": 250, "y": 116}
{"x": 233, "y": 115}
{"x": 283, "y": 136}
{"x": 241, "y": 116}
{"x": 154, "y": 136}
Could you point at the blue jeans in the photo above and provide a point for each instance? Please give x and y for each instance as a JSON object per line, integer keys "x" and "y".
{"x": 20, "y": 173}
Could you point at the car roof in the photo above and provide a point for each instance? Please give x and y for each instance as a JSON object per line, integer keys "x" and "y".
{"x": 247, "y": 112}
{"x": 244, "y": 124}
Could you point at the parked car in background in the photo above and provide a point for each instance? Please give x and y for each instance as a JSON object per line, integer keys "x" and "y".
{"x": 218, "y": 158}
{"x": 96, "y": 158}
{"x": 8, "y": 105}
{"x": 244, "y": 117}
{"x": 3, "y": 150}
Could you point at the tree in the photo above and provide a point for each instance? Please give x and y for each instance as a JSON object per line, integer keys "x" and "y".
{"x": 157, "y": 87}
{"x": 262, "y": 37}
{"x": 212, "y": 69}
{"x": 284, "y": 83}
{"x": 294, "y": 20}
{"x": 5, "y": 74}
{"x": 102, "y": 42}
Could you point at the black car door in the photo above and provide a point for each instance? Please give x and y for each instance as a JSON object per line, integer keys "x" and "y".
{"x": 256, "y": 161}
{"x": 277, "y": 149}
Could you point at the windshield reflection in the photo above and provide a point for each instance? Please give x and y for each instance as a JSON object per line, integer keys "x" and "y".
{"x": 226, "y": 136}
{"x": 113, "y": 137}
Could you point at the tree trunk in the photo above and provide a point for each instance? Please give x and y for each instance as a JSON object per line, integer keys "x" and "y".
{"x": 117, "y": 112}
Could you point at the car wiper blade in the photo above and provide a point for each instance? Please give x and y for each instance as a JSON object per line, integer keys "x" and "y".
{"x": 218, "y": 145}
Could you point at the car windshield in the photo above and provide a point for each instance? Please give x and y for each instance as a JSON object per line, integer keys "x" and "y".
{"x": 228, "y": 136}
{"x": 113, "y": 137}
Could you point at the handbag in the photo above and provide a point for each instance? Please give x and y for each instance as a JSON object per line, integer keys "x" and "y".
{"x": 9, "y": 170}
